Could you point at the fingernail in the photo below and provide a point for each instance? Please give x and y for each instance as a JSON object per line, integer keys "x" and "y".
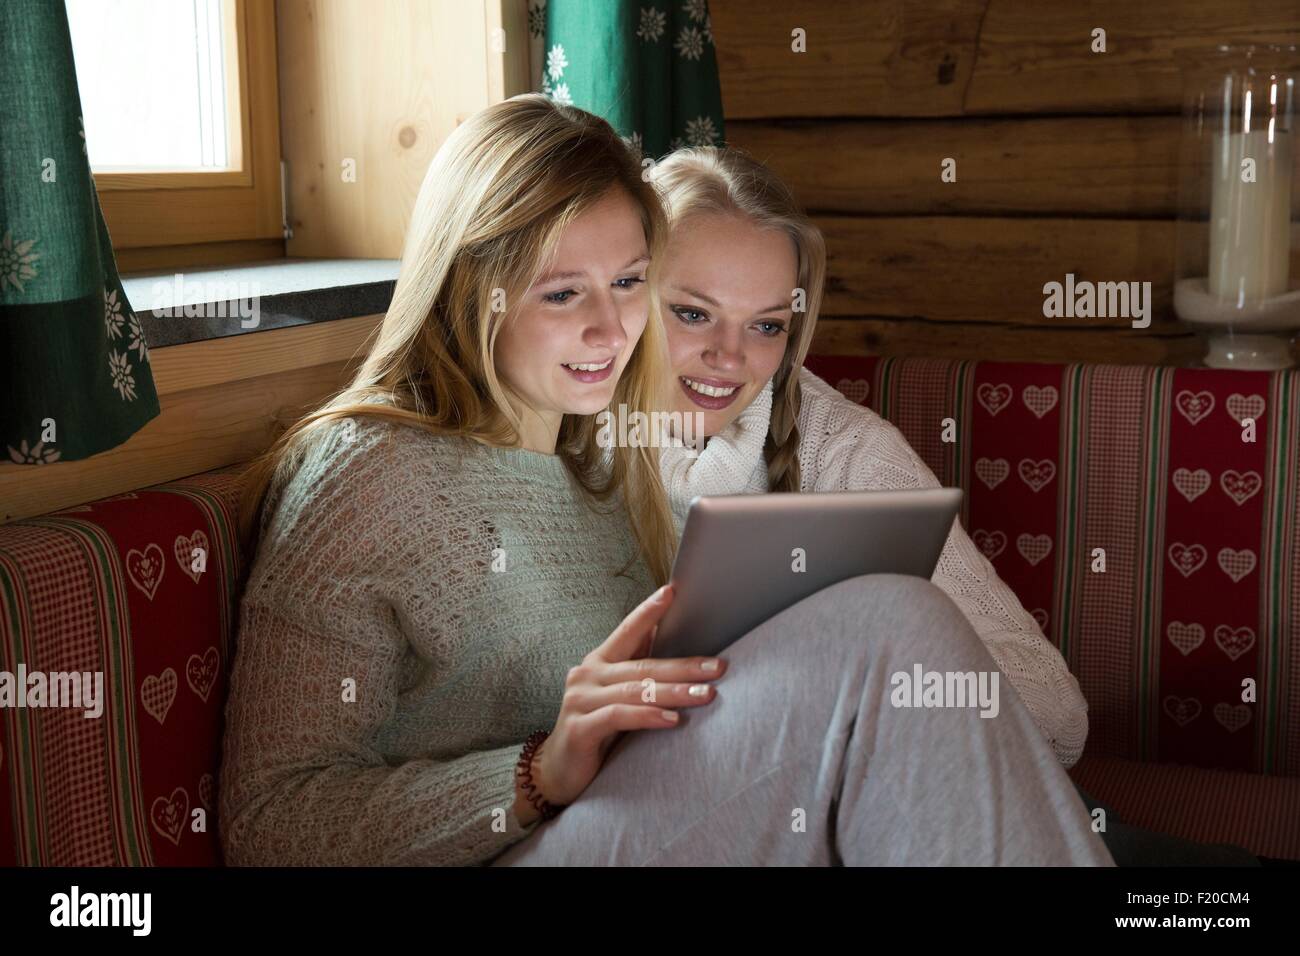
{"x": 661, "y": 594}
{"x": 709, "y": 665}
{"x": 670, "y": 716}
{"x": 698, "y": 690}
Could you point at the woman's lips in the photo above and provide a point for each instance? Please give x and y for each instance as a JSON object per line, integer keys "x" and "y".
{"x": 711, "y": 402}
{"x": 591, "y": 376}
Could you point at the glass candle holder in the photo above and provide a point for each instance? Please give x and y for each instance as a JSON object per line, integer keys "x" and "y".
{"x": 1237, "y": 278}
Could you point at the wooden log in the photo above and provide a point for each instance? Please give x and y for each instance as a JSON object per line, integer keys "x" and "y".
{"x": 962, "y": 57}
{"x": 869, "y": 58}
{"x": 1002, "y": 342}
{"x": 977, "y": 269}
{"x": 1122, "y": 166}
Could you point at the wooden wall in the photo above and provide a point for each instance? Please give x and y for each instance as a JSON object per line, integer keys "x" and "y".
{"x": 1066, "y": 159}
{"x": 381, "y": 85}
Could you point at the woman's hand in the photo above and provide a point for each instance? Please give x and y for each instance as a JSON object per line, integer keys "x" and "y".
{"x": 616, "y": 689}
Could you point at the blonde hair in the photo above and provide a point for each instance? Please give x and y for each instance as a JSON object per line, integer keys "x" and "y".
{"x": 726, "y": 180}
{"x": 493, "y": 204}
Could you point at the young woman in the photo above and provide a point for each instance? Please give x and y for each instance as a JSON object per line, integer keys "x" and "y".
{"x": 739, "y": 248}
{"x": 440, "y": 641}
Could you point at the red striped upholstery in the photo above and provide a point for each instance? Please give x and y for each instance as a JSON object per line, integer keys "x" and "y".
{"x": 116, "y": 587}
{"x": 1258, "y": 812}
{"x": 1201, "y": 588}
{"x": 1157, "y": 473}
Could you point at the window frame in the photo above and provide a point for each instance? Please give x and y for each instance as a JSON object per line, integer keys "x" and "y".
{"x": 155, "y": 210}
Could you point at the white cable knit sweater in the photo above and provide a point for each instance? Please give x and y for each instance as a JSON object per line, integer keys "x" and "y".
{"x": 847, "y": 447}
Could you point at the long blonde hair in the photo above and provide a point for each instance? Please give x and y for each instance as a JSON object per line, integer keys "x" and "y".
{"x": 710, "y": 179}
{"x": 493, "y": 204}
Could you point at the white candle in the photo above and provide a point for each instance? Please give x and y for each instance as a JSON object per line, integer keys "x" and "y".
{"x": 1250, "y": 222}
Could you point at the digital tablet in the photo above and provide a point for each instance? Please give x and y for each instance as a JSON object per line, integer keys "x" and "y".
{"x": 743, "y": 558}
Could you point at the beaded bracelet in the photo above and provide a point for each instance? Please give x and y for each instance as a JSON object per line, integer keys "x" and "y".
{"x": 524, "y": 770}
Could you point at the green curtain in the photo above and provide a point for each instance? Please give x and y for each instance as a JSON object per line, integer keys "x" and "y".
{"x": 73, "y": 360}
{"x": 646, "y": 66}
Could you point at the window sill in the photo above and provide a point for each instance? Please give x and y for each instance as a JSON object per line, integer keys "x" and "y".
{"x": 218, "y": 302}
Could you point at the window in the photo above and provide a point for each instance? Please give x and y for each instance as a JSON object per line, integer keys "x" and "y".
{"x": 181, "y": 121}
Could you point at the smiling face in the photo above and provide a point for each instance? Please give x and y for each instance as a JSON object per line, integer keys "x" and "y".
{"x": 727, "y": 292}
{"x": 562, "y": 351}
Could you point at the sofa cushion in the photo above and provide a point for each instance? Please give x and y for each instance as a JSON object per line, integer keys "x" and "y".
{"x": 142, "y": 588}
{"x": 1156, "y": 472}
{"x": 1256, "y": 811}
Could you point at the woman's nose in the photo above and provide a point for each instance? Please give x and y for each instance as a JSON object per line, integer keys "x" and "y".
{"x": 723, "y": 351}
{"x": 605, "y": 330}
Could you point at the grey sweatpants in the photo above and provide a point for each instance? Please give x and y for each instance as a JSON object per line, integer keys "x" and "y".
{"x": 803, "y": 759}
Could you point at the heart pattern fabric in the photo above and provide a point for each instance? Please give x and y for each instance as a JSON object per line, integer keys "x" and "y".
{"x": 1188, "y": 559}
{"x": 992, "y": 471}
{"x": 1185, "y": 637}
{"x": 1236, "y": 564}
{"x": 854, "y": 389}
{"x": 157, "y": 694}
{"x": 1244, "y": 406}
{"x": 1240, "y": 486}
{"x": 168, "y": 814}
{"x": 994, "y": 398}
{"x": 201, "y": 672}
{"x": 1232, "y": 717}
{"x": 1191, "y": 484}
{"x": 183, "y": 550}
{"x": 1194, "y": 406}
{"x": 1036, "y": 474}
{"x": 1234, "y": 641}
{"x": 145, "y": 569}
{"x": 1034, "y": 547}
{"x": 1183, "y": 710}
{"x": 991, "y": 543}
{"x": 1040, "y": 401}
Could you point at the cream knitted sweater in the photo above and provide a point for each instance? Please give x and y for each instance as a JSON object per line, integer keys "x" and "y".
{"x": 846, "y": 447}
{"x": 411, "y": 615}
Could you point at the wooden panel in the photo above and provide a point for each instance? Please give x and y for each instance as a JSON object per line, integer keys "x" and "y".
{"x": 954, "y": 57}
{"x": 220, "y": 401}
{"x": 200, "y": 254}
{"x": 387, "y": 111}
{"x": 1125, "y": 166}
{"x": 866, "y": 58}
{"x": 1037, "y": 57}
{"x": 1002, "y": 341}
{"x": 200, "y": 364}
{"x": 988, "y": 270}
{"x": 508, "y": 73}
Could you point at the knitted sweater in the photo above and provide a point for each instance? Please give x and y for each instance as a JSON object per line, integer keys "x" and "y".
{"x": 391, "y": 660}
{"x": 846, "y": 447}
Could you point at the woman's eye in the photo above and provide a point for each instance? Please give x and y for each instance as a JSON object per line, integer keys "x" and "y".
{"x": 559, "y": 298}
{"x": 771, "y": 329}
{"x": 685, "y": 315}
{"x": 632, "y": 281}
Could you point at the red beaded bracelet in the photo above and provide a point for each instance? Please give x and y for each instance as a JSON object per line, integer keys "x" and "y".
{"x": 524, "y": 771}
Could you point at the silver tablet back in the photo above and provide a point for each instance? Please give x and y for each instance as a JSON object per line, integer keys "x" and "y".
{"x": 744, "y": 558}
